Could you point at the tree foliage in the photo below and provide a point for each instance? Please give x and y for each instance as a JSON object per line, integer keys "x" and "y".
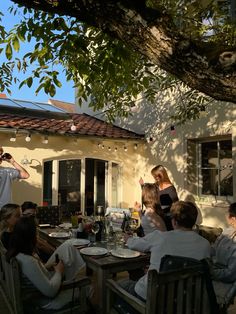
{"x": 110, "y": 74}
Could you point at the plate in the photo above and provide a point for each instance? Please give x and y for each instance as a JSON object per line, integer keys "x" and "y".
{"x": 66, "y": 225}
{"x": 94, "y": 251}
{"x": 59, "y": 235}
{"x": 78, "y": 242}
{"x": 125, "y": 253}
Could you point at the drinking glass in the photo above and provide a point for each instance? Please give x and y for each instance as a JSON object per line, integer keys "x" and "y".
{"x": 95, "y": 229}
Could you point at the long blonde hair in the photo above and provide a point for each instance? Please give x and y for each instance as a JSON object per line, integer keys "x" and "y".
{"x": 150, "y": 197}
{"x": 5, "y": 213}
{"x": 161, "y": 172}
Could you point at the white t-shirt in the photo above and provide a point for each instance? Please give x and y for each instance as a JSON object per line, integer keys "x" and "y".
{"x": 174, "y": 242}
{"x": 7, "y": 175}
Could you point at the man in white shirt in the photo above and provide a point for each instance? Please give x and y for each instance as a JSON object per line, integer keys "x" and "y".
{"x": 182, "y": 241}
{"x": 8, "y": 175}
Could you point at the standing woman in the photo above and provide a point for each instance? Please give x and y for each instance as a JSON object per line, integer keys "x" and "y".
{"x": 167, "y": 192}
{"x": 151, "y": 219}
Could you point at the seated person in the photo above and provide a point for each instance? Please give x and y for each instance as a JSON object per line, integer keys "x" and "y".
{"x": 44, "y": 249}
{"x": 181, "y": 241}
{"x": 40, "y": 286}
{"x": 224, "y": 255}
{"x": 9, "y": 215}
{"x": 151, "y": 217}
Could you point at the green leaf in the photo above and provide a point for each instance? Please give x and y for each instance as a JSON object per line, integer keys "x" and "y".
{"x": 8, "y": 51}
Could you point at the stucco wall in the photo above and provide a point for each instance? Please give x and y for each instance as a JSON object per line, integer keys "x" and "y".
{"x": 171, "y": 150}
{"x": 60, "y": 147}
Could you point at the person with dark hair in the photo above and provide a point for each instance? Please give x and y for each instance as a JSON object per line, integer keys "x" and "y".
{"x": 40, "y": 286}
{"x": 181, "y": 241}
{"x": 8, "y": 175}
{"x": 151, "y": 217}
{"x": 9, "y": 215}
{"x": 224, "y": 250}
{"x": 44, "y": 249}
{"x": 167, "y": 192}
{"x": 28, "y": 208}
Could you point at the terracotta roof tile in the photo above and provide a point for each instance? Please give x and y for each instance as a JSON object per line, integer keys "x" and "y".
{"x": 85, "y": 124}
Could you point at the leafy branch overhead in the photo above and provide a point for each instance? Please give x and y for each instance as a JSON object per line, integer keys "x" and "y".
{"x": 115, "y": 51}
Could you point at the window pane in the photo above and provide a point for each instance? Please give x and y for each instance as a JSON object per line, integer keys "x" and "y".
{"x": 69, "y": 184}
{"x": 209, "y": 155}
{"x": 47, "y": 183}
{"x": 226, "y": 168}
{"x": 210, "y": 181}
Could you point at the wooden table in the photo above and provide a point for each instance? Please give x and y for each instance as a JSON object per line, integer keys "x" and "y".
{"x": 103, "y": 266}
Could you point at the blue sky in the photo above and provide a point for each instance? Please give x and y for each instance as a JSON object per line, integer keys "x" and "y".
{"x": 65, "y": 93}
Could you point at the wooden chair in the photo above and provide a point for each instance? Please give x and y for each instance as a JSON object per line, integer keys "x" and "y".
{"x": 10, "y": 279}
{"x": 182, "y": 286}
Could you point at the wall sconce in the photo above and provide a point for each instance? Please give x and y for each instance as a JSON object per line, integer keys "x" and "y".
{"x": 45, "y": 140}
{"x": 25, "y": 161}
{"x": 28, "y": 138}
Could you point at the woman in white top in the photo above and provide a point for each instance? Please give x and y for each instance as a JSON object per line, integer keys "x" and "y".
{"x": 41, "y": 283}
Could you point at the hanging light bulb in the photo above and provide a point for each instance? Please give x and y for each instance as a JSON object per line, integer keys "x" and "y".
{"x": 103, "y": 146}
{"x": 135, "y": 146}
{"x": 99, "y": 145}
{"x": 28, "y": 138}
{"x": 73, "y": 127}
{"x": 125, "y": 148}
{"x": 13, "y": 137}
{"x": 172, "y": 130}
{"x": 45, "y": 140}
{"x": 115, "y": 149}
{"x": 109, "y": 148}
{"x": 202, "y": 112}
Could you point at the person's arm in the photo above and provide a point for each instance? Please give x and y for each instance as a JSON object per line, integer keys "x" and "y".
{"x": 44, "y": 246}
{"x": 35, "y": 271}
{"x": 143, "y": 244}
{"x": 23, "y": 173}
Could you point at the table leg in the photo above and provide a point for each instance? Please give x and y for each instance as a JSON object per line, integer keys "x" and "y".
{"x": 102, "y": 276}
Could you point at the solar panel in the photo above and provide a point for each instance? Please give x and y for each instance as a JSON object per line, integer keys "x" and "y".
{"x": 9, "y": 103}
{"x": 50, "y": 107}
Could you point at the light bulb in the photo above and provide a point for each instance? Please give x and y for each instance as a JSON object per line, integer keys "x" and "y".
{"x": 45, "y": 140}
{"x": 28, "y": 138}
{"x": 73, "y": 127}
{"x": 13, "y": 138}
{"x": 172, "y": 130}
{"x": 135, "y": 146}
{"x": 109, "y": 148}
{"x": 125, "y": 148}
{"x": 115, "y": 149}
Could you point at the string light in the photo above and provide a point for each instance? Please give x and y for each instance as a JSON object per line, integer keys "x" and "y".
{"x": 172, "y": 130}
{"x": 13, "y": 137}
{"x": 125, "y": 148}
{"x": 109, "y": 148}
{"x": 45, "y": 140}
{"x": 115, "y": 149}
{"x": 202, "y": 112}
{"x": 73, "y": 127}
{"x": 135, "y": 146}
{"x": 28, "y": 138}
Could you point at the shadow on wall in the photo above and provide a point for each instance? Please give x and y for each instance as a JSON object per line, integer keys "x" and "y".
{"x": 23, "y": 191}
{"x": 188, "y": 197}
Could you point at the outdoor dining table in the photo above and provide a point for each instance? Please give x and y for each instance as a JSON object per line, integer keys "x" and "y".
{"x": 105, "y": 266}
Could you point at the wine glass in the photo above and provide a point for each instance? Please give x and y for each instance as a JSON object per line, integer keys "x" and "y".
{"x": 95, "y": 229}
{"x": 134, "y": 224}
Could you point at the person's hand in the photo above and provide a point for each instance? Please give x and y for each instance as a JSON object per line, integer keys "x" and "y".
{"x": 137, "y": 206}
{"x": 60, "y": 267}
{"x": 141, "y": 182}
{"x": 127, "y": 236}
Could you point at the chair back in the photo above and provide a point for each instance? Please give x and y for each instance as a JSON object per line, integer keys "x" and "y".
{"x": 10, "y": 282}
{"x": 183, "y": 285}
{"x": 49, "y": 215}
